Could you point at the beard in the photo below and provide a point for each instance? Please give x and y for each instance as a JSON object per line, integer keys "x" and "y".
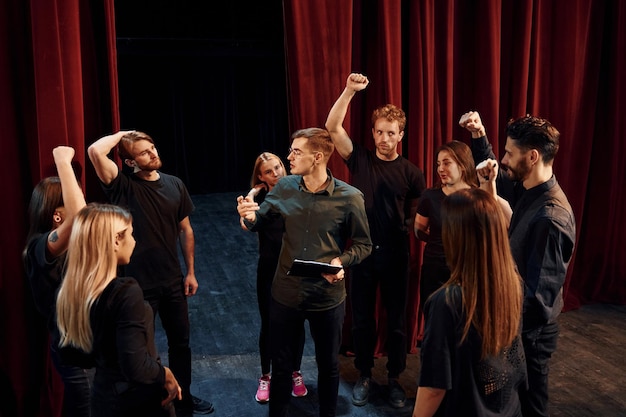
{"x": 518, "y": 173}
{"x": 153, "y": 165}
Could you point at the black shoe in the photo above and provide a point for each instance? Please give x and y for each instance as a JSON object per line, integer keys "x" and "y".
{"x": 397, "y": 397}
{"x": 200, "y": 406}
{"x": 361, "y": 391}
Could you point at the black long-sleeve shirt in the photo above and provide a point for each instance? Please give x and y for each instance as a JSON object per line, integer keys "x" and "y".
{"x": 542, "y": 234}
{"x": 123, "y": 337}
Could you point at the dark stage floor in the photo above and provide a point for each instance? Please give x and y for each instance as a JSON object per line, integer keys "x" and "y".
{"x": 588, "y": 373}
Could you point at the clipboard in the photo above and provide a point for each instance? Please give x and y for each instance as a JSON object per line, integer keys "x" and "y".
{"x": 312, "y": 269}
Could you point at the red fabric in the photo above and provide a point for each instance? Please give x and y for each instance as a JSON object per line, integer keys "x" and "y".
{"x": 50, "y": 94}
{"x": 561, "y": 60}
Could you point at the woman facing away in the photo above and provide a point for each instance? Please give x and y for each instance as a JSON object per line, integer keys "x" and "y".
{"x": 106, "y": 316}
{"x": 54, "y": 203}
{"x": 472, "y": 360}
{"x": 268, "y": 170}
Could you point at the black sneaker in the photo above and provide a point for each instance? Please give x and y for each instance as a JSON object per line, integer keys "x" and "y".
{"x": 361, "y": 391}
{"x": 200, "y": 406}
{"x": 397, "y": 397}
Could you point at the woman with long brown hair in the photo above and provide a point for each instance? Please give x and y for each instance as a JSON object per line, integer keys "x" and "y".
{"x": 472, "y": 360}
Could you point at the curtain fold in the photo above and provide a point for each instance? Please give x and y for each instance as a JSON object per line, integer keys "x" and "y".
{"x": 438, "y": 59}
{"x": 562, "y": 59}
{"x": 52, "y": 90}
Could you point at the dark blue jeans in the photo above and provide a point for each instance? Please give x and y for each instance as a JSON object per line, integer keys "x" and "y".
{"x": 539, "y": 344}
{"x": 387, "y": 268}
{"x": 77, "y": 389}
{"x": 286, "y": 324}
{"x": 171, "y": 305}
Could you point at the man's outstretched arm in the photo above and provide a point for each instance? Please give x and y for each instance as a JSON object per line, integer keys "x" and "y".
{"x": 337, "y": 114}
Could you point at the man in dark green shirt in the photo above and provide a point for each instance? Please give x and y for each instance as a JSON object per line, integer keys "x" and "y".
{"x": 322, "y": 215}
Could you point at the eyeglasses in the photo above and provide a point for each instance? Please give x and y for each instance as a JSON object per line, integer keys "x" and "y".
{"x": 296, "y": 152}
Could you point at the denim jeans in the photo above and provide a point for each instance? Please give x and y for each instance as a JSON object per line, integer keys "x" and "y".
{"x": 539, "y": 344}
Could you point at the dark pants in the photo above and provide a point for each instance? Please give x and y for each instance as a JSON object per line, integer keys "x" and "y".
{"x": 77, "y": 389}
{"x": 539, "y": 344}
{"x": 112, "y": 397}
{"x": 434, "y": 274}
{"x": 326, "y": 326}
{"x": 171, "y": 305}
{"x": 265, "y": 277}
{"x": 387, "y": 268}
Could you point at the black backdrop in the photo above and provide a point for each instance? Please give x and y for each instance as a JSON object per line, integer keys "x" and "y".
{"x": 207, "y": 82}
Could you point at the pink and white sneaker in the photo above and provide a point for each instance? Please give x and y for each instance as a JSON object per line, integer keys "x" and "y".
{"x": 263, "y": 392}
{"x": 298, "y": 389}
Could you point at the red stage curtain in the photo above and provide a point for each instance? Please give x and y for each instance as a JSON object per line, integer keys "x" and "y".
{"x": 561, "y": 60}
{"x": 55, "y": 90}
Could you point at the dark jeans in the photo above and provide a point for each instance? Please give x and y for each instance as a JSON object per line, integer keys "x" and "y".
{"x": 389, "y": 269}
{"x": 77, "y": 389}
{"x": 539, "y": 344}
{"x": 326, "y": 326}
{"x": 265, "y": 276}
{"x": 112, "y": 397}
{"x": 171, "y": 305}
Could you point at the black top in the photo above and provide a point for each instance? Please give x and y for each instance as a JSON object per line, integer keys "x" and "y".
{"x": 390, "y": 189}
{"x": 123, "y": 336}
{"x": 542, "y": 236}
{"x": 270, "y": 236}
{"x": 474, "y": 387}
{"x": 157, "y": 207}
{"x": 430, "y": 206}
{"x": 44, "y": 276}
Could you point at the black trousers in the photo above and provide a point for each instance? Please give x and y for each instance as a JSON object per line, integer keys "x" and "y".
{"x": 285, "y": 326}
{"x": 265, "y": 277}
{"x": 539, "y": 344}
{"x": 171, "y": 305}
{"x": 387, "y": 268}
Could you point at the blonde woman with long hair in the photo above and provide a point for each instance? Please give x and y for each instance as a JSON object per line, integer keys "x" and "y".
{"x": 106, "y": 316}
{"x": 472, "y": 359}
{"x": 268, "y": 170}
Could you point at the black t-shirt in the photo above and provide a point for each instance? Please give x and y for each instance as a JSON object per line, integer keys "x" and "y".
{"x": 390, "y": 189}
{"x": 430, "y": 206}
{"x": 157, "y": 207}
{"x": 474, "y": 387}
{"x": 44, "y": 276}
